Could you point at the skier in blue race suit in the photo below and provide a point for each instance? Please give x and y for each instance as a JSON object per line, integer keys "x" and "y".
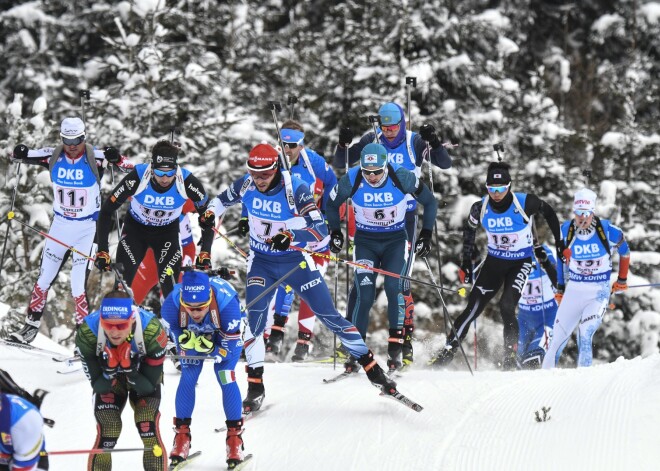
{"x": 379, "y": 194}
{"x": 282, "y": 214}
{"x": 204, "y": 317}
{"x": 407, "y": 149}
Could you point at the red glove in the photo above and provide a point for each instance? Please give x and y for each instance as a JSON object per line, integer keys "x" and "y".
{"x": 558, "y": 297}
{"x": 619, "y": 285}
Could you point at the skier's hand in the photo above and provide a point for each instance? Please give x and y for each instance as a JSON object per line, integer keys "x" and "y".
{"x": 187, "y": 340}
{"x": 336, "y": 241}
{"x": 559, "y": 294}
{"x": 129, "y": 361}
{"x": 541, "y": 254}
{"x": 207, "y": 219}
{"x": 112, "y": 155}
{"x": 345, "y": 137}
{"x": 225, "y": 273}
{"x": 427, "y": 132}
{"x": 281, "y": 241}
{"x": 563, "y": 252}
{"x": 102, "y": 261}
{"x": 619, "y": 285}
{"x": 243, "y": 227}
{"x": 203, "y": 261}
{"x": 20, "y": 152}
{"x": 465, "y": 273}
{"x": 423, "y": 244}
{"x": 204, "y": 345}
{"x": 109, "y": 362}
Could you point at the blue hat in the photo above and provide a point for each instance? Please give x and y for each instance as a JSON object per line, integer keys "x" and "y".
{"x": 292, "y": 135}
{"x": 116, "y": 309}
{"x": 373, "y": 155}
{"x": 390, "y": 114}
{"x": 195, "y": 287}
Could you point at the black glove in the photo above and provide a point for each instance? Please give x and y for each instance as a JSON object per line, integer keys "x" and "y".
{"x": 225, "y": 273}
{"x": 207, "y": 219}
{"x": 203, "y": 261}
{"x": 561, "y": 247}
{"x": 541, "y": 254}
{"x": 243, "y": 227}
{"x": 427, "y": 132}
{"x": 345, "y": 136}
{"x": 465, "y": 273}
{"x": 102, "y": 261}
{"x": 112, "y": 155}
{"x": 280, "y": 241}
{"x": 336, "y": 241}
{"x": 423, "y": 244}
{"x": 20, "y": 152}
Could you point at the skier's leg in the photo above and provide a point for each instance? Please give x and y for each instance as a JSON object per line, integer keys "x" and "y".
{"x": 146, "y": 414}
{"x": 107, "y": 412}
{"x": 86, "y": 230}
{"x": 592, "y": 318}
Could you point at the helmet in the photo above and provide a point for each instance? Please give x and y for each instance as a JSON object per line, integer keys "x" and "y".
{"x": 72, "y": 128}
{"x": 390, "y": 114}
{"x": 373, "y": 155}
{"x": 262, "y": 157}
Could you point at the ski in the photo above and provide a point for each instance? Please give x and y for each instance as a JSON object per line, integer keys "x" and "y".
{"x": 70, "y": 368}
{"x": 246, "y": 417}
{"x": 339, "y": 377}
{"x": 28, "y": 348}
{"x": 242, "y": 464}
{"x": 68, "y": 360}
{"x": 401, "y": 398}
{"x": 184, "y": 463}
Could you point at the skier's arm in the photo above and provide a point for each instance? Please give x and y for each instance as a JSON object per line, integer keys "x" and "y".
{"x": 39, "y": 157}
{"x": 150, "y": 372}
{"x": 314, "y": 228}
{"x": 618, "y": 241}
{"x": 439, "y": 156}
{"x": 27, "y": 440}
{"x": 127, "y": 187}
{"x": 86, "y": 348}
{"x": 535, "y": 205}
{"x": 329, "y": 179}
{"x": 413, "y": 185}
{"x": 339, "y": 159}
{"x": 338, "y": 195}
{"x": 229, "y": 197}
{"x": 470, "y": 230}
{"x": 197, "y": 194}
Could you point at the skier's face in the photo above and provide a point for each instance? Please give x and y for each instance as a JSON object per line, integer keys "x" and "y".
{"x": 583, "y": 218}
{"x": 117, "y": 333}
{"x": 391, "y": 131}
{"x": 74, "y": 147}
{"x": 498, "y": 192}
{"x": 292, "y": 150}
{"x": 164, "y": 176}
{"x": 262, "y": 180}
{"x": 197, "y": 311}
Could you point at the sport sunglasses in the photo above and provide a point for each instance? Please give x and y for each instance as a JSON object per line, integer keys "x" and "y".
{"x": 164, "y": 173}
{"x": 74, "y": 141}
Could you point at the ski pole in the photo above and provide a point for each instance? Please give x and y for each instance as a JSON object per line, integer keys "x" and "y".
{"x": 118, "y": 268}
{"x": 156, "y": 450}
{"x": 411, "y": 82}
{"x": 291, "y": 101}
{"x": 11, "y": 215}
{"x": 649, "y": 285}
{"x": 231, "y": 243}
{"x": 460, "y": 291}
{"x": 448, "y": 320}
{"x": 278, "y": 282}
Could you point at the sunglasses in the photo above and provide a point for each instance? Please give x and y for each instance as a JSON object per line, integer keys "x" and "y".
{"x": 290, "y": 145}
{"x": 391, "y": 127}
{"x": 366, "y": 173}
{"x": 583, "y": 212}
{"x": 164, "y": 173}
{"x": 262, "y": 175}
{"x": 74, "y": 141}
{"x": 498, "y": 188}
{"x": 198, "y": 307}
{"x": 121, "y": 325}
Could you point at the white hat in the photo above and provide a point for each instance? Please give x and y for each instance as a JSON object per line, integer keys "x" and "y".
{"x": 72, "y": 127}
{"x": 585, "y": 200}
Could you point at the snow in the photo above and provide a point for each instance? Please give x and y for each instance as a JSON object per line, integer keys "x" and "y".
{"x": 453, "y": 63}
{"x": 651, "y": 11}
{"x": 600, "y": 417}
{"x": 506, "y": 46}
{"x": 494, "y": 17}
{"x": 605, "y": 22}
{"x": 616, "y": 140}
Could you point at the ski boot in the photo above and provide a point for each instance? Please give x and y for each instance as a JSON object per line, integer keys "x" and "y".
{"x": 510, "y": 359}
{"x": 181, "y": 444}
{"x": 234, "y": 443}
{"x": 302, "y": 347}
{"x": 256, "y": 391}
{"x": 445, "y": 356}
{"x": 30, "y": 329}
{"x": 394, "y": 350}
{"x": 274, "y": 342}
{"x": 407, "y": 348}
{"x": 376, "y": 374}
{"x": 351, "y": 365}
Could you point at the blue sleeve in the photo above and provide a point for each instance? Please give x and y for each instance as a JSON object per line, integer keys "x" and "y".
{"x": 316, "y": 229}
{"x": 338, "y": 195}
{"x": 327, "y": 176}
{"x": 561, "y": 266}
{"x": 339, "y": 159}
{"x": 231, "y": 195}
{"x": 414, "y": 186}
{"x": 439, "y": 156}
{"x": 617, "y": 239}
{"x": 230, "y": 317}
{"x": 170, "y": 312}
{"x": 244, "y": 212}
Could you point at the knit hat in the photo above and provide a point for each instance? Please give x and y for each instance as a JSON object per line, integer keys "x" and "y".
{"x": 195, "y": 287}
{"x": 164, "y": 155}
{"x": 498, "y": 174}
{"x": 116, "y": 310}
{"x": 373, "y": 155}
{"x": 262, "y": 157}
{"x": 390, "y": 114}
{"x": 585, "y": 200}
{"x": 72, "y": 128}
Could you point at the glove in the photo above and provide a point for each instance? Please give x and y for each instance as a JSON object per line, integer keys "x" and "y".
{"x": 207, "y": 219}
{"x": 20, "y": 152}
{"x": 427, "y": 132}
{"x": 112, "y": 155}
{"x": 345, "y": 137}
{"x": 336, "y": 241}
{"x": 563, "y": 252}
{"x": 225, "y": 273}
{"x": 243, "y": 227}
{"x": 281, "y": 241}
{"x": 465, "y": 273}
{"x": 109, "y": 362}
{"x": 129, "y": 361}
{"x": 619, "y": 285}
{"x": 559, "y": 295}
{"x": 187, "y": 340}
{"x": 203, "y": 345}
{"x": 102, "y": 261}
{"x": 203, "y": 261}
{"x": 423, "y": 244}
{"x": 541, "y": 254}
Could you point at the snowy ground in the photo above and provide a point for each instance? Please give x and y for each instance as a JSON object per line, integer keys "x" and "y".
{"x": 602, "y": 418}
